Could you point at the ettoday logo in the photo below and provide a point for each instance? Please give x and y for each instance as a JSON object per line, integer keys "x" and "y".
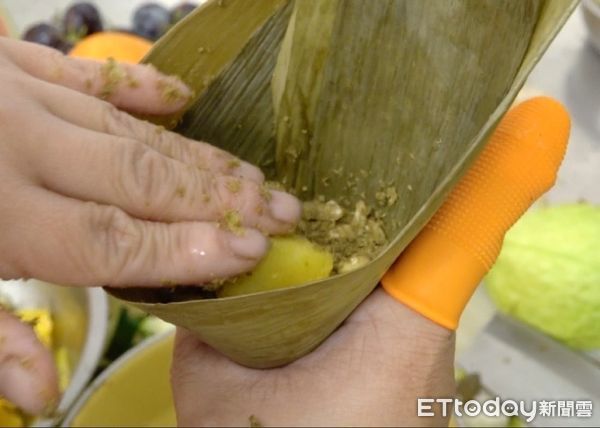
{"x": 496, "y": 408}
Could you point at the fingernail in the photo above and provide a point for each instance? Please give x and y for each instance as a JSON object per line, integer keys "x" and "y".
{"x": 186, "y": 91}
{"x": 251, "y": 245}
{"x": 285, "y": 207}
{"x": 173, "y": 90}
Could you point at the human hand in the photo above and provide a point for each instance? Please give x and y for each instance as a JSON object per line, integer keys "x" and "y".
{"x": 368, "y": 373}
{"x": 371, "y": 371}
{"x": 91, "y": 196}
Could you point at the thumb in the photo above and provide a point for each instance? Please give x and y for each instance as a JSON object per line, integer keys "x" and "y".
{"x": 28, "y": 376}
{"x": 437, "y": 274}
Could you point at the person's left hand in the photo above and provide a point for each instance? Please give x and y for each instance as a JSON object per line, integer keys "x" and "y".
{"x": 374, "y": 368}
{"x": 368, "y": 373}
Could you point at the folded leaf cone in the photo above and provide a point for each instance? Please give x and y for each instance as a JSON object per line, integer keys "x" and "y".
{"x": 344, "y": 99}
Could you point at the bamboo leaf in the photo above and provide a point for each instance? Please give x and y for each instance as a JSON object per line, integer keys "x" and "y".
{"x": 398, "y": 94}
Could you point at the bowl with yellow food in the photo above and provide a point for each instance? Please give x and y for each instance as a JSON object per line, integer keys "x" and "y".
{"x": 143, "y": 372}
{"x": 72, "y": 323}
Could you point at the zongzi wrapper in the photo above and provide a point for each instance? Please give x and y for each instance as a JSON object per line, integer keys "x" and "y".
{"x": 383, "y": 102}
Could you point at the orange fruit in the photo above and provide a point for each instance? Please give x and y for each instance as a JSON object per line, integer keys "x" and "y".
{"x": 3, "y": 27}
{"x": 120, "y": 46}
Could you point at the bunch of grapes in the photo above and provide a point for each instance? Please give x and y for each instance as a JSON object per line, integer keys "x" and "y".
{"x": 150, "y": 20}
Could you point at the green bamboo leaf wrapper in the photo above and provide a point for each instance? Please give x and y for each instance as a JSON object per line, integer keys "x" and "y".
{"x": 345, "y": 99}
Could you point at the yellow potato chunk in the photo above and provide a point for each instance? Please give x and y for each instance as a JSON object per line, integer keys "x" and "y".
{"x": 291, "y": 261}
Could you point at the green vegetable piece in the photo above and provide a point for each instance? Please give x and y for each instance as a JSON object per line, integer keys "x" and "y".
{"x": 548, "y": 273}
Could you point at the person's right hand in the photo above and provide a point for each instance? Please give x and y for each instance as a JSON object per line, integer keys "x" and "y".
{"x": 91, "y": 196}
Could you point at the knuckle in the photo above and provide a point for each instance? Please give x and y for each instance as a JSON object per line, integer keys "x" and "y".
{"x": 55, "y": 62}
{"x": 54, "y": 56}
{"x": 171, "y": 145}
{"x": 240, "y": 195}
{"x": 226, "y": 197}
{"x": 251, "y": 203}
{"x": 147, "y": 178}
{"x": 113, "y": 121}
{"x": 117, "y": 241}
{"x": 177, "y": 148}
{"x": 165, "y": 143}
{"x": 217, "y": 158}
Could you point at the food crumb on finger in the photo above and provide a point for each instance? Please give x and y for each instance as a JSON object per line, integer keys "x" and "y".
{"x": 170, "y": 90}
{"x": 234, "y": 185}
{"x": 232, "y": 222}
{"x": 234, "y": 163}
{"x": 112, "y": 76}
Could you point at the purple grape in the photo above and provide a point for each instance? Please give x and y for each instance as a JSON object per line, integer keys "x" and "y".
{"x": 82, "y": 19}
{"x": 181, "y": 11}
{"x": 151, "y": 21}
{"x": 44, "y": 34}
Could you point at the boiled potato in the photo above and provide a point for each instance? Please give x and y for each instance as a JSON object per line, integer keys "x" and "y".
{"x": 291, "y": 261}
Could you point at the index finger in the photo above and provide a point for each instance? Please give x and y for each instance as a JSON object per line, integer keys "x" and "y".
{"x": 135, "y": 88}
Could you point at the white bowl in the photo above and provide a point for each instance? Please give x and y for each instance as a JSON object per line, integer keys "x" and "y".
{"x": 80, "y": 319}
{"x": 143, "y": 372}
{"x": 591, "y": 13}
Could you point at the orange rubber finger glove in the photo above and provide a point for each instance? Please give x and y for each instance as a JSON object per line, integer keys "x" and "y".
{"x": 438, "y": 272}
